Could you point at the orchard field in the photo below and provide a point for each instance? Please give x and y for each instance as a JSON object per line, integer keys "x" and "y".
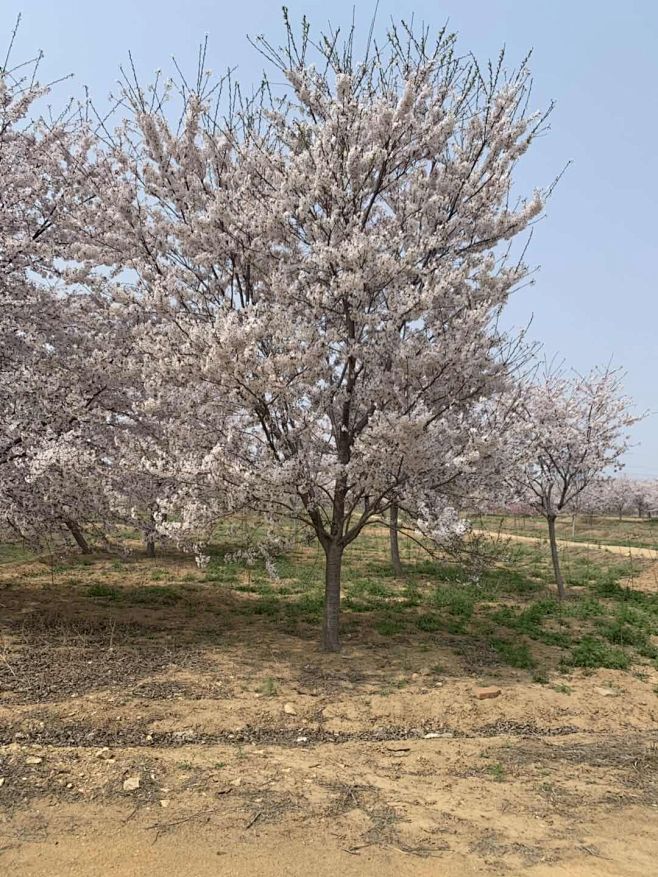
{"x": 154, "y": 715}
{"x": 259, "y": 399}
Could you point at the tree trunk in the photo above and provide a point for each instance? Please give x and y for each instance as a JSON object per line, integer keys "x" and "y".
{"x": 559, "y": 581}
{"x": 149, "y": 543}
{"x": 573, "y": 526}
{"x": 395, "y": 546}
{"x": 74, "y": 529}
{"x": 330, "y": 628}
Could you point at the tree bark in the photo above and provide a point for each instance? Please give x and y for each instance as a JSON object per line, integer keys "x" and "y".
{"x": 74, "y": 529}
{"x": 395, "y": 546}
{"x": 149, "y": 543}
{"x": 330, "y": 628}
{"x": 559, "y": 581}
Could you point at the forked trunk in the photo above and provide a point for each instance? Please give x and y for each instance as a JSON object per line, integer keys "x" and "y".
{"x": 74, "y": 529}
{"x": 559, "y": 581}
{"x": 330, "y": 628}
{"x": 395, "y": 546}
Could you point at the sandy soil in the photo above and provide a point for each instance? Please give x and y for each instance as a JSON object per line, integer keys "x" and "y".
{"x": 150, "y": 740}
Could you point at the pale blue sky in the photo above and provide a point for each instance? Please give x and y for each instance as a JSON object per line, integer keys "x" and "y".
{"x": 595, "y": 295}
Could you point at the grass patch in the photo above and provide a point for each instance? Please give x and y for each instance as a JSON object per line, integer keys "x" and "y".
{"x": 530, "y": 622}
{"x": 101, "y": 591}
{"x": 497, "y": 772}
{"x": 562, "y": 688}
{"x": 269, "y": 687}
{"x": 511, "y": 606}
{"x": 371, "y": 588}
{"x": 390, "y": 626}
{"x": 267, "y": 606}
{"x": 456, "y": 605}
{"x": 153, "y": 595}
{"x": 428, "y": 622}
{"x": 515, "y": 654}
{"x": 502, "y": 580}
{"x": 593, "y": 653}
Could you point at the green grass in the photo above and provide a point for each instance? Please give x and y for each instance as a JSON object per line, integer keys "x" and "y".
{"x": 149, "y": 595}
{"x": 514, "y": 653}
{"x": 455, "y": 604}
{"x": 562, "y": 688}
{"x": 592, "y": 653}
{"x": 509, "y": 608}
{"x": 104, "y": 592}
{"x": 390, "y": 626}
{"x": 14, "y": 552}
{"x": 269, "y": 687}
{"x": 512, "y": 606}
{"x": 497, "y": 772}
{"x": 428, "y": 622}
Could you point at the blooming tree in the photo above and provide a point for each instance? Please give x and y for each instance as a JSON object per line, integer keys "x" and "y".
{"x": 291, "y": 309}
{"x": 642, "y": 496}
{"x": 615, "y": 496}
{"x": 570, "y": 433}
{"x": 60, "y": 346}
{"x": 40, "y": 397}
{"x": 320, "y": 275}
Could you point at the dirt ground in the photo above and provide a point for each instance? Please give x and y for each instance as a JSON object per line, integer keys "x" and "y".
{"x": 181, "y": 739}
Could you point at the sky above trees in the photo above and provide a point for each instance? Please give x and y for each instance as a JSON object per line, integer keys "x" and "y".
{"x": 594, "y": 298}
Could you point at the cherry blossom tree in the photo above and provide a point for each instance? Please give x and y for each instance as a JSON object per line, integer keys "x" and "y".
{"x": 319, "y": 274}
{"x": 642, "y": 496}
{"x": 41, "y": 399}
{"x": 616, "y": 496}
{"x": 571, "y": 433}
{"x": 59, "y": 345}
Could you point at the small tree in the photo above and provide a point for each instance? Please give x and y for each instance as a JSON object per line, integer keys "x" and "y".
{"x": 569, "y": 433}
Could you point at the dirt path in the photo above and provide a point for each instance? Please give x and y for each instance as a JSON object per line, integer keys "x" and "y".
{"x": 625, "y": 550}
{"x": 109, "y": 843}
{"x": 542, "y": 780}
{"x": 577, "y": 804}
